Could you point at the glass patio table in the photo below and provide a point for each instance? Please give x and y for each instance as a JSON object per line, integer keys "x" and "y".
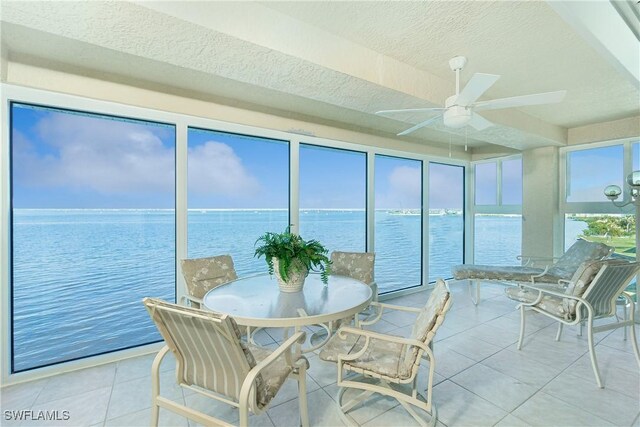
{"x": 257, "y": 302}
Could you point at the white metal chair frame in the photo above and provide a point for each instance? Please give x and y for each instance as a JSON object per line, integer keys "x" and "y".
{"x": 247, "y": 400}
{"x": 598, "y": 301}
{"x": 385, "y": 386}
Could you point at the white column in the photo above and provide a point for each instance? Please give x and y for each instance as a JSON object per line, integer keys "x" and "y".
{"x": 541, "y": 222}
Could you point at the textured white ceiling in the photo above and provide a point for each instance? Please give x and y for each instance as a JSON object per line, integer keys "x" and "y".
{"x": 525, "y": 42}
{"x": 333, "y": 62}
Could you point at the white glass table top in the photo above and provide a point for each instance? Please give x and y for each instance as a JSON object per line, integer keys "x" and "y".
{"x": 257, "y": 301}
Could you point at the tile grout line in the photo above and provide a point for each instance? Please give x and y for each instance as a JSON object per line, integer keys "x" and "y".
{"x": 106, "y": 413}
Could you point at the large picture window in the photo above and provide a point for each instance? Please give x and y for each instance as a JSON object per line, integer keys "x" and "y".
{"x": 238, "y": 188}
{"x": 498, "y": 227}
{"x": 93, "y": 232}
{"x": 585, "y": 183}
{"x": 446, "y": 219}
{"x": 398, "y": 223}
{"x": 333, "y": 197}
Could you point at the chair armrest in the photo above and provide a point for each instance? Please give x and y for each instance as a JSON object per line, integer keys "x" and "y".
{"x": 249, "y": 381}
{"x": 541, "y": 293}
{"x": 396, "y": 307}
{"x": 380, "y": 307}
{"x": 377, "y": 335}
{"x": 535, "y": 276}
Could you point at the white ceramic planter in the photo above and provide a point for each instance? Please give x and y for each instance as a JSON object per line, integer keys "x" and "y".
{"x": 295, "y": 281}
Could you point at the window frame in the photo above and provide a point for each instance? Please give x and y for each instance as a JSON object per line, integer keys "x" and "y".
{"x": 424, "y": 233}
{"x": 467, "y": 234}
{"x": 20, "y": 94}
{"x": 603, "y": 207}
{"x": 366, "y": 184}
{"x": 10, "y": 225}
{"x": 499, "y": 208}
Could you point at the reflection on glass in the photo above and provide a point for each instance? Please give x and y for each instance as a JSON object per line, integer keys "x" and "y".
{"x": 512, "y": 182}
{"x": 398, "y": 223}
{"x": 93, "y": 232}
{"x": 486, "y": 177}
{"x": 446, "y": 219}
{"x": 238, "y": 188}
{"x": 333, "y": 193}
{"x": 498, "y": 239}
{"x": 585, "y": 183}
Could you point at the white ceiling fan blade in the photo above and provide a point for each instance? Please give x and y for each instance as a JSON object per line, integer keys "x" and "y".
{"x": 521, "y": 101}
{"x": 410, "y": 110}
{"x": 474, "y": 89}
{"x": 478, "y": 122}
{"x": 419, "y": 125}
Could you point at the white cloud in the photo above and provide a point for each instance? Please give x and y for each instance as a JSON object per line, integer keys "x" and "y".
{"x": 106, "y": 156}
{"x": 117, "y": 157}
{"x": 446, "y": 187}
{"x": 214, "y": 168}
{"x": 405, "y": 189}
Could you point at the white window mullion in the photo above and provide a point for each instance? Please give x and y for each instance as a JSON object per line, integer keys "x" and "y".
{"x": 182, "y": 214}
{"x": 294, "y": 185}
{"x": 425, "y": 223}
{"x": 371, "y": 201}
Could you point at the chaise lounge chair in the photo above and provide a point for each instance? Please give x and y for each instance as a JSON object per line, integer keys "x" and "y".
{"x": 535, "y": 269}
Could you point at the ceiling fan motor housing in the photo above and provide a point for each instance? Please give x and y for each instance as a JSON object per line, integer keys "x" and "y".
{"x": 455, "y": 116}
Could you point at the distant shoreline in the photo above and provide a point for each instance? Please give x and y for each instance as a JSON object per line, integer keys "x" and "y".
{"x": 395, "y": 211}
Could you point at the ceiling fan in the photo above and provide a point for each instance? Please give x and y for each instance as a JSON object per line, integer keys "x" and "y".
{"x": 461, "y": 109}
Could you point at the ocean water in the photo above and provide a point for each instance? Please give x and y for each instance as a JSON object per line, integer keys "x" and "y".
{"x": 79, "y": 275}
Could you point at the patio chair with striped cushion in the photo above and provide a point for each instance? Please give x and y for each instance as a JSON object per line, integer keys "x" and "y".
{"x": 212, "y": 360}
{"x": 591, "y": 294}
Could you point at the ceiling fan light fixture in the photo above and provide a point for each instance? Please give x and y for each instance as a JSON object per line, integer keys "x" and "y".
{"x": 456, "y": 116}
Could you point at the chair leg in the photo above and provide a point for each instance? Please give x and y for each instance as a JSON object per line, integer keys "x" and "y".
{"x": 559, "y": 333}
{"x": 302, "y": 396}
{"x": 624, "y": 311}
{"x": 244, "y": 414}
{"x": 155, "y": 385}
{"x": 634, "y": 339}
{"x": 476, "y": 299}
{"x": 592, "y": 353}
{"x": 580, "y": 329}
{"x": 522, "y": 317}
{"x": 155, "y": 414}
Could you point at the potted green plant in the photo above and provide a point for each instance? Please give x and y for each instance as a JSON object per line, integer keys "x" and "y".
{"x": 290, "y": 258}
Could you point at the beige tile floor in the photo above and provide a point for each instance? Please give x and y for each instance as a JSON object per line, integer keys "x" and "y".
{"x": 481, "y": 380}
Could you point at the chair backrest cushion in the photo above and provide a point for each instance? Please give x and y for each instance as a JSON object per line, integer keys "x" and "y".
{"x": 583, "y": 278}
{"x": 357, "y": 265}
{"x": 207, "y": 347}
{"x": 203, "y": 274}
{"x": 580, "y": 252}
{"x": 427, "y": 323}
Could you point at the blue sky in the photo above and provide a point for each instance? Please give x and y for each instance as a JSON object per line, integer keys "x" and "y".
{"x": 66, "y": 160}
{"x": 590, "y": 171}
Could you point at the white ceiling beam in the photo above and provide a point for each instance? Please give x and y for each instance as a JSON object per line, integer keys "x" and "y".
{"x": 602, "y": 26}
